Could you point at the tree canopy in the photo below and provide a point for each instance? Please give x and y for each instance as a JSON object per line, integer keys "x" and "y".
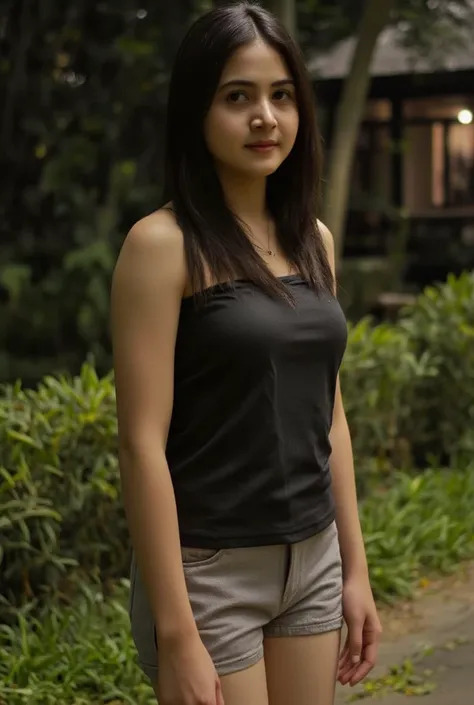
{"x": 83, "y": 90}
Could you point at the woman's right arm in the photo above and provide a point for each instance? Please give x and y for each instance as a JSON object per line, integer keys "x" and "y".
{"x": 146, "y": 294}
{"x": 147, "y": 288}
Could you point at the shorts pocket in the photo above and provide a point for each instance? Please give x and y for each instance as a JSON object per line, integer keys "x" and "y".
{"x": 195, "y": 557}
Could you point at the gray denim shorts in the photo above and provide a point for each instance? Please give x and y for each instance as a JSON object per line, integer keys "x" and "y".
{"x": 239, "y": 596}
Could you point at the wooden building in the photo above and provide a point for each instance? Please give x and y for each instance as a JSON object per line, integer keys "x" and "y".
{"x": 415, "y": 155}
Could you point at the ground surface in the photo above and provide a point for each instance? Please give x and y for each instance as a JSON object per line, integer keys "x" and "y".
{"x": 434, "y": 637}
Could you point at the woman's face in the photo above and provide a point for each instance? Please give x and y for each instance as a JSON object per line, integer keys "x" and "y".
{"x": 252, "y": 124}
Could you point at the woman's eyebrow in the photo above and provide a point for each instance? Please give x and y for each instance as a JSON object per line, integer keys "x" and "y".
{"x": 252, "y": 84}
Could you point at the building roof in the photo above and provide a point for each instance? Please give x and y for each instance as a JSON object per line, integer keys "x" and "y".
{"x": 392, "y": 58}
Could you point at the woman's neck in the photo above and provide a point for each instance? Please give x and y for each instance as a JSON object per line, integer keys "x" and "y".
{"x": 246, "y": 197}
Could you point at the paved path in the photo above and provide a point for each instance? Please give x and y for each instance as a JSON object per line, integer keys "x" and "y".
{"x": 437, "y": 634}
{"x": 453, "y": 673}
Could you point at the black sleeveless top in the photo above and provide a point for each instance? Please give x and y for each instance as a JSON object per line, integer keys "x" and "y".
{"x": 248, "y": 447}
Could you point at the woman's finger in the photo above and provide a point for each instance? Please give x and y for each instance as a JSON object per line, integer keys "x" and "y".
{"x": 369, "y": 661}
{"x": 346, "y": 676}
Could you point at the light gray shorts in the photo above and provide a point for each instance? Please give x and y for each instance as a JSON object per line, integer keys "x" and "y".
{"x": 239, "y": 596}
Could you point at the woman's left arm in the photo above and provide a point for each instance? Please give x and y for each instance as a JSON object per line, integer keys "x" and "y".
{"x": 351, "y": 542}
{"x": 359, "y": 653}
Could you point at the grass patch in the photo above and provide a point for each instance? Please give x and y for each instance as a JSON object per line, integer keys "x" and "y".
{"x": 84, "y": 655}
{"x": 420, "y": 525}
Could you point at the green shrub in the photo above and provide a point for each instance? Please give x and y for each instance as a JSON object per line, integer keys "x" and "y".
{"x": 420, "y": 525}
{"x": 440, "y": 324}
{"x": 59, "y": 484}
{"x": 77, "y": 655}
{"x": 377, "y": 376}
{"x": 83, "y": 654}
{"x": 409, "y": 387}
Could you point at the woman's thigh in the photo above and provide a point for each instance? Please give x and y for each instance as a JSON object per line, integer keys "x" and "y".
{"x": 302, "y": 670}
{"x": 246, "y": 687}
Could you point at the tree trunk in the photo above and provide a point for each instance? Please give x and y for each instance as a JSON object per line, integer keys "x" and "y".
{"x": 349, "y": 115}
{"x": 286, "y": 11}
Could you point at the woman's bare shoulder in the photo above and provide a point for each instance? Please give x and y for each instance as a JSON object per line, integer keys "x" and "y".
{"x": 154, "y": 248}
{"x": 157, "y": 232}
{"x": 326, "y": 234}
{"x": 328, "y": 241}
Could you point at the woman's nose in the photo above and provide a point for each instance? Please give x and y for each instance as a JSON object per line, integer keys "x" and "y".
{"x": 265, "y": 116}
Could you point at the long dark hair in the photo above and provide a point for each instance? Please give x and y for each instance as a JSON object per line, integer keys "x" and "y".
{"x": 212, "y": 234}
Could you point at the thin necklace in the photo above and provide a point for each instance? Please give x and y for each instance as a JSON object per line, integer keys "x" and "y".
{"x": 270, "y": 253}
{"x": 267, "y": 251}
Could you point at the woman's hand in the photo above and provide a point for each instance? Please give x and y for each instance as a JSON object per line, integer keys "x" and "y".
{"x": 359, "y": 654}
{"x": 186, "y": 674}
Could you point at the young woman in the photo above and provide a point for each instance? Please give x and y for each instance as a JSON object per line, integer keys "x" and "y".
{"x": 235, "y": 454}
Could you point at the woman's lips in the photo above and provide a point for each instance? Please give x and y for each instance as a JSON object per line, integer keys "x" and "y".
{"x": 262, "y": 146}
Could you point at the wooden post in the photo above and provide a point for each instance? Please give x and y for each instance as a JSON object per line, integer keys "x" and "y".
{"x": 349, "y": 116}
{"x": 286, "y": 11}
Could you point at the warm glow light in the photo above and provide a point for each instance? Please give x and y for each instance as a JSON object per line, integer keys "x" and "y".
{"x": 465, "y": 117}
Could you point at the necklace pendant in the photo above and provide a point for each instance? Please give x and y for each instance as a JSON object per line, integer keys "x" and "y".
{"x": 271, "y": 253}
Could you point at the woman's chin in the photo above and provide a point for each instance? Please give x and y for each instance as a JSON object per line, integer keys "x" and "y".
{"x": 263, "y": 169}
{"x": 251, "y": 169}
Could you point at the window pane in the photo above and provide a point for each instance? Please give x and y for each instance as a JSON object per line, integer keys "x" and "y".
{"x": 438, "y": 194}
{"x": 461, "y": 165}
{"x": 417, "y": 181}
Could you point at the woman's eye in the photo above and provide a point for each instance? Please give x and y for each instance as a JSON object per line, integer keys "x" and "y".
{"x": 282, "y": 95}
{"x": 236, "y": 97}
